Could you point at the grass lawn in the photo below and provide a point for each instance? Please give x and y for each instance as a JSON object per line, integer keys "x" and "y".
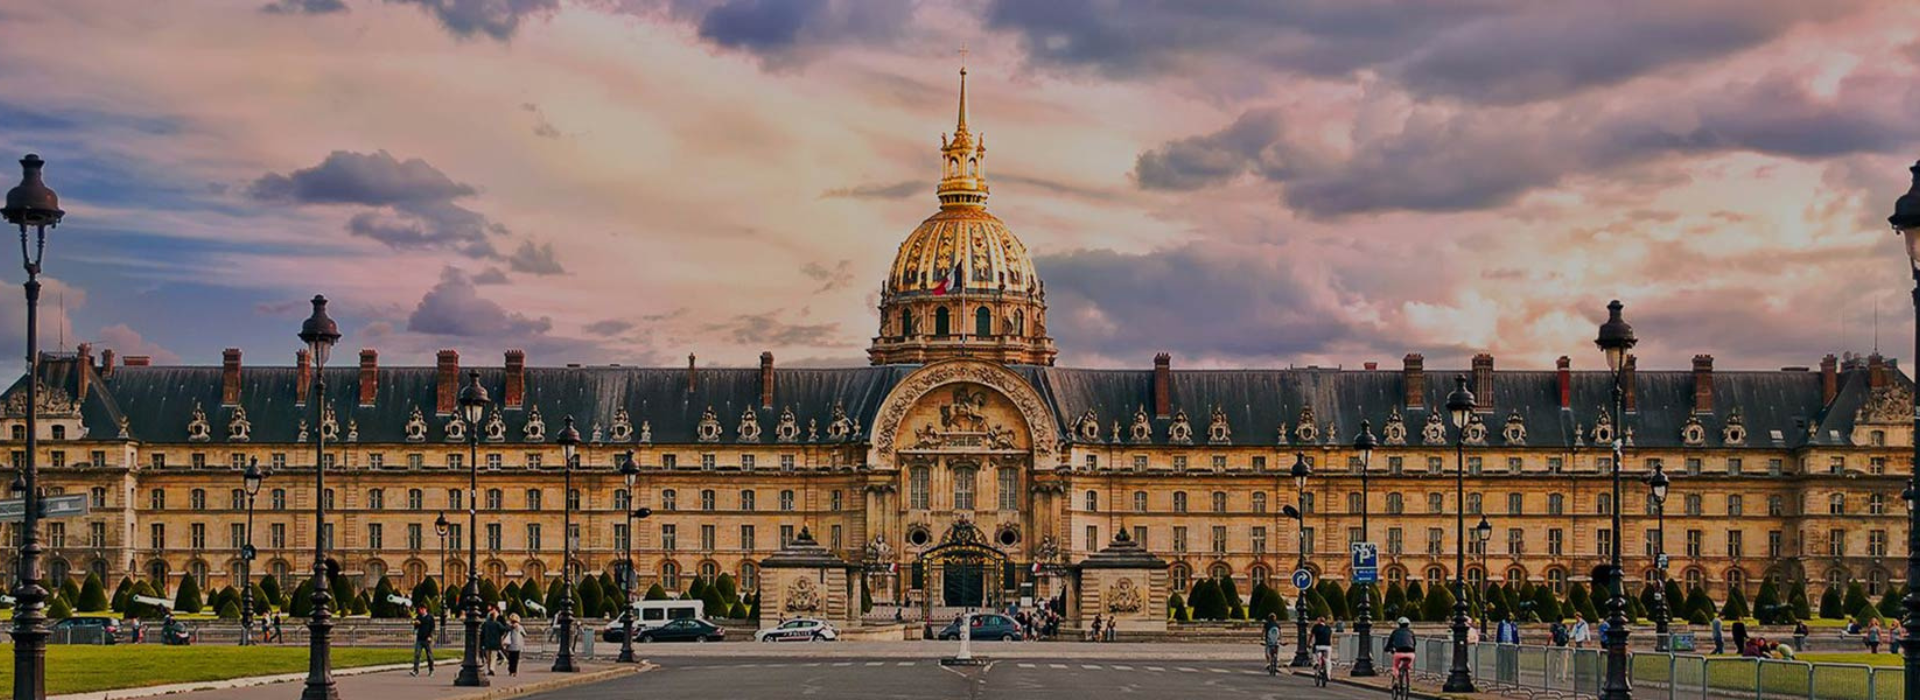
{"x": 1859, "y": 658}
{"x": 81, "y": 668}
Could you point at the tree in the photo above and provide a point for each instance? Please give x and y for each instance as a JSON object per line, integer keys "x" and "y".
{"x": 1890, "y": 603}
{"x": 187, "y": 600}
{"x": 1334, "y": 599}
{"x": 275, "y": 596}
{"x": 711, "y": 599}
{"x": 261, "y": 603}
{"x": 1766, "y": 606}
{"x": 1577, "y": 599}
{"x": 1438, "y": 606}
{"x": 426, "y": 592}
{"x": 301, "y": 602}
{"x": 379, "y": 605}
{"x": 592, "y": 598}
{"x": 730, "y": 592}
{"x": 739, "y": 611}
{"x": 1207, "y": 601}
{"x": 1699, "y": 605}
{"x": 1231, "y": 595}
{"x": 489, "y": 593}
{"x": 1177, "y": 608}
{"x": 69, "y": 590}
{"x": 230, "y": 611}
{"x": 120, "y": 594}
{"x": 1830, "y": 605}
{"x": 1797, "y": 599}
{"x": 93, "y": 595}
{"x": 1545, "y": 606}
{"x": 1396, "y": 602}
{"x": 656, "y": 592}
{"x": 1415, "y": 598}
{"x": 1856, "y": 598}
{"x": 1736, "y": 605}
{"x": 59, "y": 610}
{"x": 1317, "y": 604}
{"x": 360, "y": 605}
{"x": 1267, "y": 601}
{"x": 697, "y": 589}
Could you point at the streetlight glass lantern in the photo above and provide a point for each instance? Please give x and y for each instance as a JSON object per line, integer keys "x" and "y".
{"x": 569, "y": 441}
{"x": 440, "y": 525}
{"x": 1365, "y": 443}
{"x": 319, "y": 332}
{"x": 474, "y": 400}
{"x": 32, "y": 202}
{"x": 1460, "y": 402}
{"x": 1616, "y": 338}
{"x": 1483, "y": 531}
{"x": 629, "y": 470}
{"x": 252, "y": 477}
{"x": 1657, "y": 482}
{"x": 1907, "y": 496}
{"x": 1905, "y": 219}
{"x": 1301, "y": 470}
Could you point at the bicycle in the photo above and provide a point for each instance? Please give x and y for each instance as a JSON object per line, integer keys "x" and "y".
{"x": 1402, "y": 680}
{"x": 1321, "y": 663}
{"x": 1273, "y": 659}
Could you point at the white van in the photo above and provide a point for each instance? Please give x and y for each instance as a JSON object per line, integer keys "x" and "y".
{"x": 648, "y": 614}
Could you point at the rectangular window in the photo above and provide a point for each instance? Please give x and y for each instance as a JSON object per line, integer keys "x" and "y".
{"x": 98, "y": 458}
{"x": 1259, "y": 539}
{"x": 1473, "y": 503}
{"x": 1140, "y": 534}
{"x": 494, "y": 540}
{"x": 1736, "y": 544}
{"x": 620, "y": 534}
{"x": 198, "y": 460}
{"x": 376, "y": 536}
{"x": 1604, "y": 539}
{"x": 494, "y": 461}
{"x": 747, "y": 500}
{"x": 1180, "y": 539}
{"x": 157, "y": 536}
{"x": 1516, "y": 541}
{"x": 833, "y": 537}
{"x": 57, "y": 535}
{"x": 453, "y": 533}
{"x": 669, "y": 500}
{"x": 414, "y": 537}
{"x": 1435, "y": 465}
{"x": 707, "y": 538}
{"x": 534, "y": 536}
{"x": 1556, "y": 542}
{"x": 1396, "y": 542}
{"x": 1877, "y": 466}
{"x": 159, "y": 461}
{"x": 1775, "y": 544}
{"x": 1093, "y": 538}
{"x": 746, "y": 538}
{"x": 1515, "y": 504}
{"x": 197, "y": 534}
{"x": 1515, "y": 465}
{"x": 1555, "y": 464}
{"x": 1733, "y": 466}
{"x": 1009, "y": 489}
{"x": 1776, "y": 466}
{"x": 786, "y": 463}
{"x": 786, "y": 535}
{"x": 1836, "y": 543}
{"x": 326, "y": 536}
{"x": 1876, "y": 543}
{"x": 1695, "y": 543}
{"x": 1259, "y": 462}
{"x": 1396, "y": 465}
{"x": 1473, "y": 466}
{"x": 1306, "y": 535}
{"x": 96, "y": 535}
{"x": 706, "y": 499}
{"x": 1179, "y": 463}
{"x": 1693, "y": 466}
{"x": 746, "y": 463}
{"x": 1093, "y": 462}
{"x": 1835, "y": 465}
{"x": 1736, "y": 505}
{"x": 1354, "y": 537}
{"x": 236, "y": 534}
{"x": 277, "y": 536}
{"x": 415, "y": 460}
{"x": 1436, "y": 541}
{"x": 833, "y": 501}
{"x": 1219, "y": 539}
{"x": 669, "y": 537}
{"x": 1436, "y": 503}
{"x": 669, "y": 461}
{"x": 456, "y": 460}
{"x": 706, "y": 461}
{"x": 533, "y": 460}
{"x": 786, "y": 500}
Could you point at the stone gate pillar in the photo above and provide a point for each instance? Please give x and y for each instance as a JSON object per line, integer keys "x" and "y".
{"x": 803, "y": 579}
{"x": 1123, "y": 583}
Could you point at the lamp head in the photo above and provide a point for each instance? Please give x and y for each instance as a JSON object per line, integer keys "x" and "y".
{"x": 642, "y": 513}
{"x": 1616, "y": 337}
{"x": 1484, "y": 530}
{"x": 1290, "y": 512}
{"x": 1365, "y": 442}
{"x": 1658, "y": 483}
{"x": 629, "y": 469}
{"x": 1905, "y": 219}
{"x": 252, "y": 477}
{"x": 569, "y": 441}
{"x": 1460, "y": 402}
{"x": 32, "y": 202}
{"x": 440, "y": 525}
{"x": 1300, "y": 470}
{"x": 474, "y": 400}
{"x": 319, "y": 332}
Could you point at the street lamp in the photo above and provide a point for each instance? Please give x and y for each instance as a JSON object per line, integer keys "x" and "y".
{"x": 1460, "y": 408}
{"x": 1905, "y": 220}
{"x": 569, "y": 441}
{"x": 250, "y": 481}
{"x": 473, "y": 406}
{"x": 629, "y": 473}
{"x": 319, "y": 333}
{"x": 31, "y": 205}
{"x": 1300, "y": 471}
{"x": 1363, "y": 662}
{"x": 441, "y": 527}
{"x": 1482, "y": 533}
{"x": 1657, "y": 484}
{"x": 1616, "y": 340}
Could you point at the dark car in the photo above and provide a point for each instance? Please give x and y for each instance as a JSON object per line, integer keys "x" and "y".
{"x": 86, "y": 630}
{"x": 685, "y": 630}
{"x": 985, "y": 626}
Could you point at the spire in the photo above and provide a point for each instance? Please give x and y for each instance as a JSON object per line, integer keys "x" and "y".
{"x": 963, "y": 169}
{"x": 961, "y": 128}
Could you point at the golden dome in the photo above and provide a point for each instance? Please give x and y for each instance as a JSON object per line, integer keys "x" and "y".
{"x": 990, "y": 258}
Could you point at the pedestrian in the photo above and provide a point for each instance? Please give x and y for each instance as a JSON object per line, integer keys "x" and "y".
{"x": 1506, "y": 638}
{"x": 278, "y": 636}
{"x": 1094, "y": 635}
{"x": 1799, "y": 635}
{"x": 1719, "y": 643}
{"x": 139, "y": 630}
{"x": 423, "y": 640}
{"x": 1113, "y": 628}
{"x": 1582, "y": 633}
{"x": 1873, "y": 636}
{"x": 1893, "y": 638}
{"x": 490, "y": 633}
{"x": 1561, "y": 637}
{"x": 1739, "y": 634}
{"x": 513, "y": 640}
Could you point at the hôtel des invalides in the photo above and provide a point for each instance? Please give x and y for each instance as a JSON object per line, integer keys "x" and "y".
{"x": 963, "y": 429}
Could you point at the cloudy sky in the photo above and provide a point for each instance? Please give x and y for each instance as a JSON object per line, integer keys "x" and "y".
{"x": 1240, "y": 182}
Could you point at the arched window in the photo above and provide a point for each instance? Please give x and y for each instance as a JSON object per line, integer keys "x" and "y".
{"x": 1019, "y": 322}
{"x": 198, "y": 570}
{"x": 670, "y": 576}
{"x": 157, "y": 572}
{"x": 963, "y": 483}
{"x": 906, "y": 322}
{"x": 1182, "y": 576}
{"x": 1436, "y": 575}
{"x": 1093, "y": 501}
{"x": 917, "y": 480}
{"x": 1258, "y": 574}
{"x": 1476, "y": 576}
{"x": 941, "y": 323}
{"x": 1516, "y": 576}
{"x": 1557, "y": 580}
{"x": 982, "y": 322}
{"x": 1140, "y": 501}
{"x": 1737, "y": 581}
{"x": 1220, "y": 570}
{"x": 1396, "y": 576}
{"x": 749, "y": 576}
{"x": 1876, "y": 581}
{"x": 709, "y": 571}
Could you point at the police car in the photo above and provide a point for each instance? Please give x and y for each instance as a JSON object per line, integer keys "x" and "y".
{"x": 799, "y": 630}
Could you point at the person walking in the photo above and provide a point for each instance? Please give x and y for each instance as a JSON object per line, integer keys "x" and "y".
{"x": 490, "y": 633}
{"x": 1506, "y": 639}
{"x": 513, "y": 641}
{"x": 423, "y": 625}
{"x": 1739, "y": 634}
{"x": 279, "y": 637}
{"x": 1561, "y": 638}
{"x": 1719, "y": 642}
{"x": 1270, "y": 639}
{"x": 1800, "y": 635}
{"x": 1873, "y": 636}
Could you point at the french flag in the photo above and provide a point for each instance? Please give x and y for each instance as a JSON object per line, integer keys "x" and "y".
{"x": 949, "y": 283}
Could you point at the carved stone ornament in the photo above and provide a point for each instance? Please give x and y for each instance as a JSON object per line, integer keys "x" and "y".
{"x": 303, "y": 431}
{"x": 622, "y": 425}
{"x": 1307, "y": 430}
{"x": 329, "y": 425}
{"x": 749, "y": 429}
{"x": 1476, "y": 431}
{"x": 813, "y": 430}
{"x": 1032, "y": 408}
{"x": 841, "y": 426}
{"x": 535, "y": 429}
{"x": 1435, "y": 431}
{"x": 1123, "y": 597}
{"x": 1332, "y": 433}
{"x": 599, "y": 434}
{"x": 878, "y": 550}
{"x": 455, "y": 428}
{"x": 1115, "y": 435}
{"x": 1218, "y": 431}
{"x": 1693, "y": 433}
{"x": 1142, "y": 432}
{"x": 1515, "y": 431}
{"x": 1603, "y": 428}
{"x": 1892, "y": 403}
{"x": 1735, "y": 431}
{"x": 496, "y": 427}
{"x": 197, "y": 424}
{"x": 238, "y": 429}
{"x": 802, "y": 596}
{"x": 126, "y": 428}
{"x": 416, "y": 426}
{"x": 1396, "y": 430}
{"x": 1087, "y": 429}
{"x": 353, "y": 430}
{"x": 1280, "y": 434}
{"x": 788, "y": 427}
{"x": 646, "y": 432}
{"x": 1181, "y": 432}
{"x": 54, "y": 402}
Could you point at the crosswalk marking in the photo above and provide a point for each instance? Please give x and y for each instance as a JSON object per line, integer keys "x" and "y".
{"x": 1056, "y": 665}
{"x": 1026, "y": 665}
{"x": 1123, "y": 668}
{"x": 1219, "y": 670}
{"x": 844, "y": 663}
{"x": 1090, "y": 667}
{"x": 1185, "y": 669}
{"x": 876, "y": 663}
{"x": 1156, "y": 669}
{"x": 904, "y": 663}
{"x": 1251, "y": 673}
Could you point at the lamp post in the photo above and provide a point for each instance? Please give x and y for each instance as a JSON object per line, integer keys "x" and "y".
{"x": 320, "y": 333}
{"x": 569, "y": 441}
{"x": 1616, "y": 340}
{"x": 31, "y": 205}
{"x": 1363, "y": 626}
{"x": 250, "y": 482}
{"x": 1300, "y": 471}
{"x": 1657, "y": 484}
{"x": 1906, "y": 221}
{"x": 441, "y": 527}
{"x": 473, "y": 406}
{"x": 629, "y": 473}
{"x": 1460, "y": 408}
{"x": 1482, "y": 533}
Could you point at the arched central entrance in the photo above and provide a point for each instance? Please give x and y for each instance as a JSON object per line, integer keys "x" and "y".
{"x": 963, "y": 571}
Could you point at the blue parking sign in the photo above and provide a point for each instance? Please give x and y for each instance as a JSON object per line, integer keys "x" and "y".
{"x": 1366, "y": 562}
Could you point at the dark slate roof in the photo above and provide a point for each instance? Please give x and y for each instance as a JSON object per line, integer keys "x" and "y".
{"x": 158, "y": 401}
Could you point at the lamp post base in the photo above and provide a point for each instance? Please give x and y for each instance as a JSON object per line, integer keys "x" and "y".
{"x": 470, "y": 674}
{"x": 1363, "y": 659}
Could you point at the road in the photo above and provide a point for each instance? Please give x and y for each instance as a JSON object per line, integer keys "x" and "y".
{"x": 838, "y": 676}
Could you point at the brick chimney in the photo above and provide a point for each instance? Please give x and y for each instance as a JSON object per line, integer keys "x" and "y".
{"x": 230, "y": 377}
{"x": 83, "y": 361}
{"x": 1414, "y": 375}
{"x": 1829, "y": 378}
{"x": 1483, "y": 382}
{"x": 693, "y": 374}
{"x": 1626, "y": 380}
{"x": 1162, "y": 385}
{"x": 516, "y": 392}
{"x": 106, "y": 362}
{"x": 303, "y": 376}
{"x": 766, "y": 380}
{"x": 446, "y": 381}
{"x": 369, "y": 375}
{"x": 139, "y": 360}
{"x": 1702, "y": 383}
{"x": 1563, "y": 377}
{"x": 1876, "y": 371}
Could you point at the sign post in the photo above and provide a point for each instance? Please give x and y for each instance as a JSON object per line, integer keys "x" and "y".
{"x": 15, "y": 510}
{"x": 1366, "y": 562}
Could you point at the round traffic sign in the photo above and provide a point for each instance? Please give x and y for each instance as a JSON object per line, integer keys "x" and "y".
{"x": 1302, "y": 579}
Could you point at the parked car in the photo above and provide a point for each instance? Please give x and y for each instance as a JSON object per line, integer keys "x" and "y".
{"x": 87, "y": 630}
{"x": 648, "y": 614}
{"x": 684, "y": 630}
{"x": 803, "y": 629}
{"x": 985, "y": 626}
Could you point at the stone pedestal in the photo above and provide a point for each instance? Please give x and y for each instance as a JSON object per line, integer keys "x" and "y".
{"x": 1123, "y": 584}
{"x": 803, "y": 579}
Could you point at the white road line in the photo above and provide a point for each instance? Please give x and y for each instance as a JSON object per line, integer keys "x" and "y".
{"x": 812, "y": 665}
{"x": 1026, "y": 665}
{"x": 1123, "y": 668}
{"x": 776, "y": 665}
{"x": 1090, "y": 667}
{"x": 1156, "y": 669}
{"x": 904, "y": 663}
{"x": 1252, "y": 673}
{"x": 1219, "y": 670}
{"x": 1185, "y": 669}
{"x": 876, "y": 663}
{"x": 844, "y": 663}
{"x": 1056, "y": 665}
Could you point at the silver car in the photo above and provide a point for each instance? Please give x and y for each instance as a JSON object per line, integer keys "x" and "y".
{"x": 804, "y": 629}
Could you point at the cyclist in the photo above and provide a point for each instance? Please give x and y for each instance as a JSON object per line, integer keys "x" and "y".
{"x": 1271, "y": 638}
{"x": 1322, "y": 638}
{"x": 1400, "y": 645}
